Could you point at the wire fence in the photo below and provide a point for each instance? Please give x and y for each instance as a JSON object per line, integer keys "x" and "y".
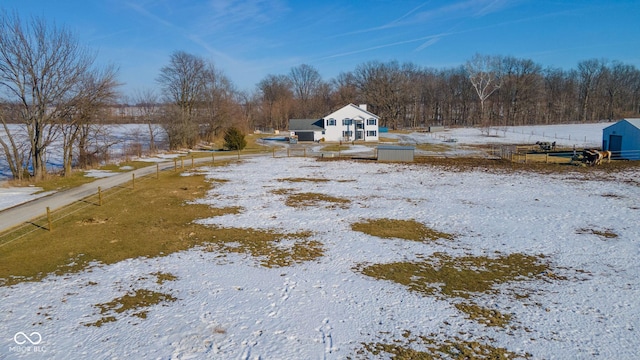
{"x": 528, "y": 154}
{"x": 48, "y": 220}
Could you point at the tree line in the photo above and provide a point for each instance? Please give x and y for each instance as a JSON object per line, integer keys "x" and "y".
{"x": 52, "y": 86}
{"x": 488, "y": 90}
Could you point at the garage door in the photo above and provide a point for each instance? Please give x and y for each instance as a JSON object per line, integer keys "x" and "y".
{"x": 305, "y": 135}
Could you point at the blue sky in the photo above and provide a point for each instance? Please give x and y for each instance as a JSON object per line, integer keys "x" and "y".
{"x": 251, "y": 39}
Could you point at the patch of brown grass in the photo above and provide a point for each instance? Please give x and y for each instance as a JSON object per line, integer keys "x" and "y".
{"x": 401, "y": 229}
{"x": 155, "y": 219}
{"x": 606, "y": 233}
{"x": 313, "y": 180}
{"x": 164, "y": 277}
{"x": 269, "y": 248}
{"x": 433, "y": 349}
{"x": 489, "y": 317}
{"x": 313, "y": 199}
{"x": 135, "y": 303}
{"x": 462, "y": 277}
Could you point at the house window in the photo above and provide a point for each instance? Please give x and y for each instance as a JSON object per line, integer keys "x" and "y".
{"x": 331, "y": 122}
{"x": 347, "y": 122}
{"x": 372, "y": 133}
{"x": 347, "y": 133}
{"x": 371, "y": 121}
{"x": 360, "y": 125}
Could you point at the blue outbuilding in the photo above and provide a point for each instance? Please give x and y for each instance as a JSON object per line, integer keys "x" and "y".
{"x": 623, "y": 139}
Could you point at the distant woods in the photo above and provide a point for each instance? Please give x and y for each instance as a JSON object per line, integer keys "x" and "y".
{"x": 485, "y": 91}
{"x": 52, "y": 87}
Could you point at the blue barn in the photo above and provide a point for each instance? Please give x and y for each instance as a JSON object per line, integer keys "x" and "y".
{"x": 623, "y": 139}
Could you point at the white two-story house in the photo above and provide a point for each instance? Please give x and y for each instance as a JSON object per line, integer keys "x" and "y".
{"x": 350, "y": 123}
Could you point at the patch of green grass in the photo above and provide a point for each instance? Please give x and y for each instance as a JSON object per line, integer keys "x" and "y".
{"x": 270, "y": 248}
{"x": 401, "y": 229}
{"x": 455, "y": 348}
{"x": 484, "y": 316}
{"x": 312, "y": 199}
{"x": 462, "y": 277}
{"x": 134, "y": 302}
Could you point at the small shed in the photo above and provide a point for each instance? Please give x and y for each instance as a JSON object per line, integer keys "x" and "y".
{"x": 395, "y": 153}
{"x": 622, "y": 139}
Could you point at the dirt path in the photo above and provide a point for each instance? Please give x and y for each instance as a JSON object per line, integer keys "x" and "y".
{"x": 22, "y": 213}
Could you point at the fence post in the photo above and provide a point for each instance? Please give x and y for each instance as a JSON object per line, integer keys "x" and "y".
{"x": 274, "y": 152}
{"x": 175, "y": 164}
{"x": 288, "y": 153}
{"x": 546, "y": 158}
{"x": 181, "y": 162}
{"x": 99, "y": 196}
{"x": 192, "y": 161}
{"x": 304, "y": 152}
{"x": 133, "y": 180}
{"x": 49, "y": 218}
{"x": 213, "y": 158}
{"x": 157, "y": 171}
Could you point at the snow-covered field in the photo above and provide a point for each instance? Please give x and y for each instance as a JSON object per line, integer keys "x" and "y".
{"x": 12, "y": 196}
{"x": 233, "y": 308}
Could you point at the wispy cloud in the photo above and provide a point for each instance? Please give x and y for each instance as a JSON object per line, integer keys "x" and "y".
{"x": 422, "y": 14}
{"x": 144, "y": 12}
{"x": 428, "y": 43}
{"x": 234, "y": 15}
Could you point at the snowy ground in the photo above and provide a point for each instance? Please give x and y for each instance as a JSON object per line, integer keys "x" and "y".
{"x": 12, "y": 196}
{"x": 233, "y": 308}
{"x": 584, "y": 135}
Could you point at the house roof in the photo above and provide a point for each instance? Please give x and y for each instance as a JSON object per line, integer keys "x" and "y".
{"x": 306, "y": 124}
{"x": 369, "y": 114}
{"x": 634, "y": 122}
{"x": 365, "y": 111}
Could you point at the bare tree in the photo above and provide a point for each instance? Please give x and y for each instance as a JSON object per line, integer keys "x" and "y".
{"x": 345, "y": 89}
{"x": 15, "y": 144}
{"x": 219, "y": 103}
{"x": 147, "y": 103}
{"x": 485, "y": 76}
{"x": 182, "y": 83}
{"x": 96, "y": 89}
{"x": 590, "y": 75}
{"x": 306, "y": 82}
{"x": 382, "y": 85}
{"x": 277, "y": 99}
{"x": 520, "y": 92}
{"x": 42, "y": 69}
